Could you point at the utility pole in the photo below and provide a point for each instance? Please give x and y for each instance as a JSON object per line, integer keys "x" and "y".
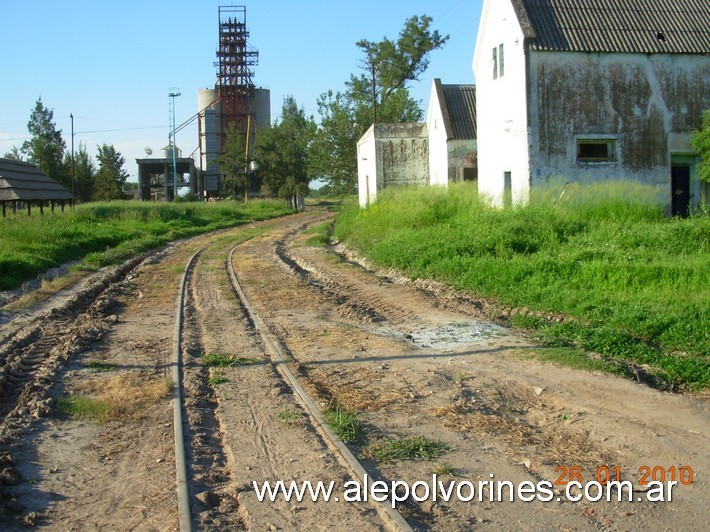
{"x": 374, "y": 94}
{"x": 174, "y": 92}
{"x": 73, "y": 196}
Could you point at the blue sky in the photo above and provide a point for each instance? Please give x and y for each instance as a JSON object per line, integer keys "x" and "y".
{"x": 111, "y": 64}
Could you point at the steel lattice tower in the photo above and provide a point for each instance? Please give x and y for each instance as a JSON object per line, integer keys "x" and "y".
{"x": 234, "y": 85}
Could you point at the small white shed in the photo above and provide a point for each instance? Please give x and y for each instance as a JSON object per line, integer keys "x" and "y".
{"x": 391, "y": 155}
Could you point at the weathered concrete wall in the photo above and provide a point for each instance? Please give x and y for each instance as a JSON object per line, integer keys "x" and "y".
{"x": 461, "y": 154}
{"x": 648, "y": 105}
{"x": 367, "y": 168}
{"x": 403, "y": 150}
{"x": 391, "y": 155}
{"x": 501, "y": 105}
{"x": 438, "y": 137}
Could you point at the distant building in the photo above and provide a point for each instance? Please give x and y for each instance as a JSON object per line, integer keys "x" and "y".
{"x": 154, "y": 176}
{"x": 437, "y": 152}
{"x": 591, "y": 92}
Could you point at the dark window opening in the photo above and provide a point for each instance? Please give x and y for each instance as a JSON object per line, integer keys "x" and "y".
{"x": 596, "y": 150}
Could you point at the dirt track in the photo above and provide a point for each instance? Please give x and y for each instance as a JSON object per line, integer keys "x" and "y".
{"x": 413, "y": 362}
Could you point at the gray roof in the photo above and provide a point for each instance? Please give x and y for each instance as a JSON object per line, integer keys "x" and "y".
{"x": 20, "y": 181}
{"x": 459, "y": 109}
{"x": 635, "y": 26}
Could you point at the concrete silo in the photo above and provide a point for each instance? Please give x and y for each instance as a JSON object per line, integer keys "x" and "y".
{"x": 209, "y": 128}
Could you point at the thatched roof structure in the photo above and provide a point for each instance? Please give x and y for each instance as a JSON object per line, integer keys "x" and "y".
{"x": 20, "y": 181}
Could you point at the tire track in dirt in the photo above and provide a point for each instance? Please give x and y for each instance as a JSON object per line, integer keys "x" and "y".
{"x": 501, "y": 412}
{"x": 251, "y": 402}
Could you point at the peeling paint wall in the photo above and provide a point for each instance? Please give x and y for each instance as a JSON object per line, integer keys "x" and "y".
{"x": 392, "y": 155}
{"x": 641, "y": 102}
{"x": 501, "y": 105}
{"x": 461, "y": 154}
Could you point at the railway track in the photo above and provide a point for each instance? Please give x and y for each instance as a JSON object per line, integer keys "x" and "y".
{"x": 188, "y": 343}
{"x": 301, "y": 330}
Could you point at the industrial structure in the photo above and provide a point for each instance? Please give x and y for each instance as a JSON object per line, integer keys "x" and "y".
{"x": 234, "y": 103}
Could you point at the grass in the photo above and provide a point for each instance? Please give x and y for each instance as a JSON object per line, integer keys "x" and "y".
{"x": 99, "y": 234}
{"x": 344, "y": 423}
{"x": 321, "y": 235}
{"x": 119, "y": 397}
{"x": 290, "y": 417}
{"x": 216, "y": 379}
{"x": 413, "y": 448}
{"x": 445, "y": 470}
{"x": 100, "y": 366}
{"x": 630, "y": 283}
{"x": 220, "y": 360}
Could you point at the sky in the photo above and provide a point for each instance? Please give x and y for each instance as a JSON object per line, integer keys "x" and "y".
{"x": 112, "y": 64}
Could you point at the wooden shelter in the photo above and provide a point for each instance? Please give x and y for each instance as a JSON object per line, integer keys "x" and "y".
{"x": 23, "y": 182}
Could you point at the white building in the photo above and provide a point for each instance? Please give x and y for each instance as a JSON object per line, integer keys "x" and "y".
{"x": 592, "y": 91}
{"x": 437, "y": 152}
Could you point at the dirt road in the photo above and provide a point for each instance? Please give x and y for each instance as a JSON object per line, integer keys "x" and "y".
{"x": 412, "y": 360}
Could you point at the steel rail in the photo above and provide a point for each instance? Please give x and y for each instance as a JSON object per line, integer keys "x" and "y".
{"x": 389, "y": 514}
{"x": 183, "y": 491}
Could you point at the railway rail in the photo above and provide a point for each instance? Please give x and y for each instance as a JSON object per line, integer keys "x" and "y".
{"x": 391, "y": 518}
{"x": 306, "y": 329}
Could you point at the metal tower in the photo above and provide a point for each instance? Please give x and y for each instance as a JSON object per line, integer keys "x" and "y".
{"x": 234, "y": 77}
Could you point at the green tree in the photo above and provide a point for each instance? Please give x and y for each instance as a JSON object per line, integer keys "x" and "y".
{"x": 109, "y": 180}
{"x": 346, "y": 116}
{"x": 46, "y": 147}
{"x": 701, "y": 144}
{"x": 84, "y": 173}
{"x": 13, "y": 154}
{"x": 390, "y": 65}
{"x": 232, "y": 163}
{"x": 281, "y": 153}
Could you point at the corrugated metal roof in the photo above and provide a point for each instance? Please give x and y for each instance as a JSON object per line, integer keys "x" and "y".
{"x": 460, "y": 102}
{"x": 634, "y": 26}
{"x": 20, "y": 181}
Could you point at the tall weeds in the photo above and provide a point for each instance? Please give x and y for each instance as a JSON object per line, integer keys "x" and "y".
{"x": 632, "y": 282}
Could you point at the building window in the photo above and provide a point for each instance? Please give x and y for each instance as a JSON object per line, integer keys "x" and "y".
{"x": 501, "y": 61}
{"x": 596, "y": 150}
{"x": 498, "y": 61}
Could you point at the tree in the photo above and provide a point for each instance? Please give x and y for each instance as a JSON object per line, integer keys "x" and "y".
{"x": 111, "y": 175}
{"x": 281, "y": 153}
{"x": 84, "y": 173}
{"x": 382, "y": 90}
{"x": 13, "y": 154}
{"x": 701, "y": 144}
{"x": 232, "y": 163}
{"x": 390, "y": 65}
{"x": 46, "y": 147}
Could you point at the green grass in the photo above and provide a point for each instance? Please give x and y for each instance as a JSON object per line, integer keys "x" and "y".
{"x": 445, "y": 470}
{"x": 81, "y": 407}
{"x": 631, "y": 283}
{"x": 344, "y": 423}
{"x": 106, "y": 233}
{"x": 100, "y": 366}
{"x": 290, "y": 417}
{"x": 414, "y": 448}
{"x": 220, "y": 360}
{"x": 321, "y": 235}
{"x": 217, "y": 378}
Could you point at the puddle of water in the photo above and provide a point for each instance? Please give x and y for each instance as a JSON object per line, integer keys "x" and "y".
{"x": 453, "y": 336}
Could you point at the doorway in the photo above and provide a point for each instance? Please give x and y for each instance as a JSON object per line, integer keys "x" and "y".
{"x": 680, "y": 190}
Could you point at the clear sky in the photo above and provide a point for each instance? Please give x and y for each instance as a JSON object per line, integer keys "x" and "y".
{"x": 112, "y": 64}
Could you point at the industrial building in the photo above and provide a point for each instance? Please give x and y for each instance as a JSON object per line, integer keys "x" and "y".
{"x": 234, "y": 101}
